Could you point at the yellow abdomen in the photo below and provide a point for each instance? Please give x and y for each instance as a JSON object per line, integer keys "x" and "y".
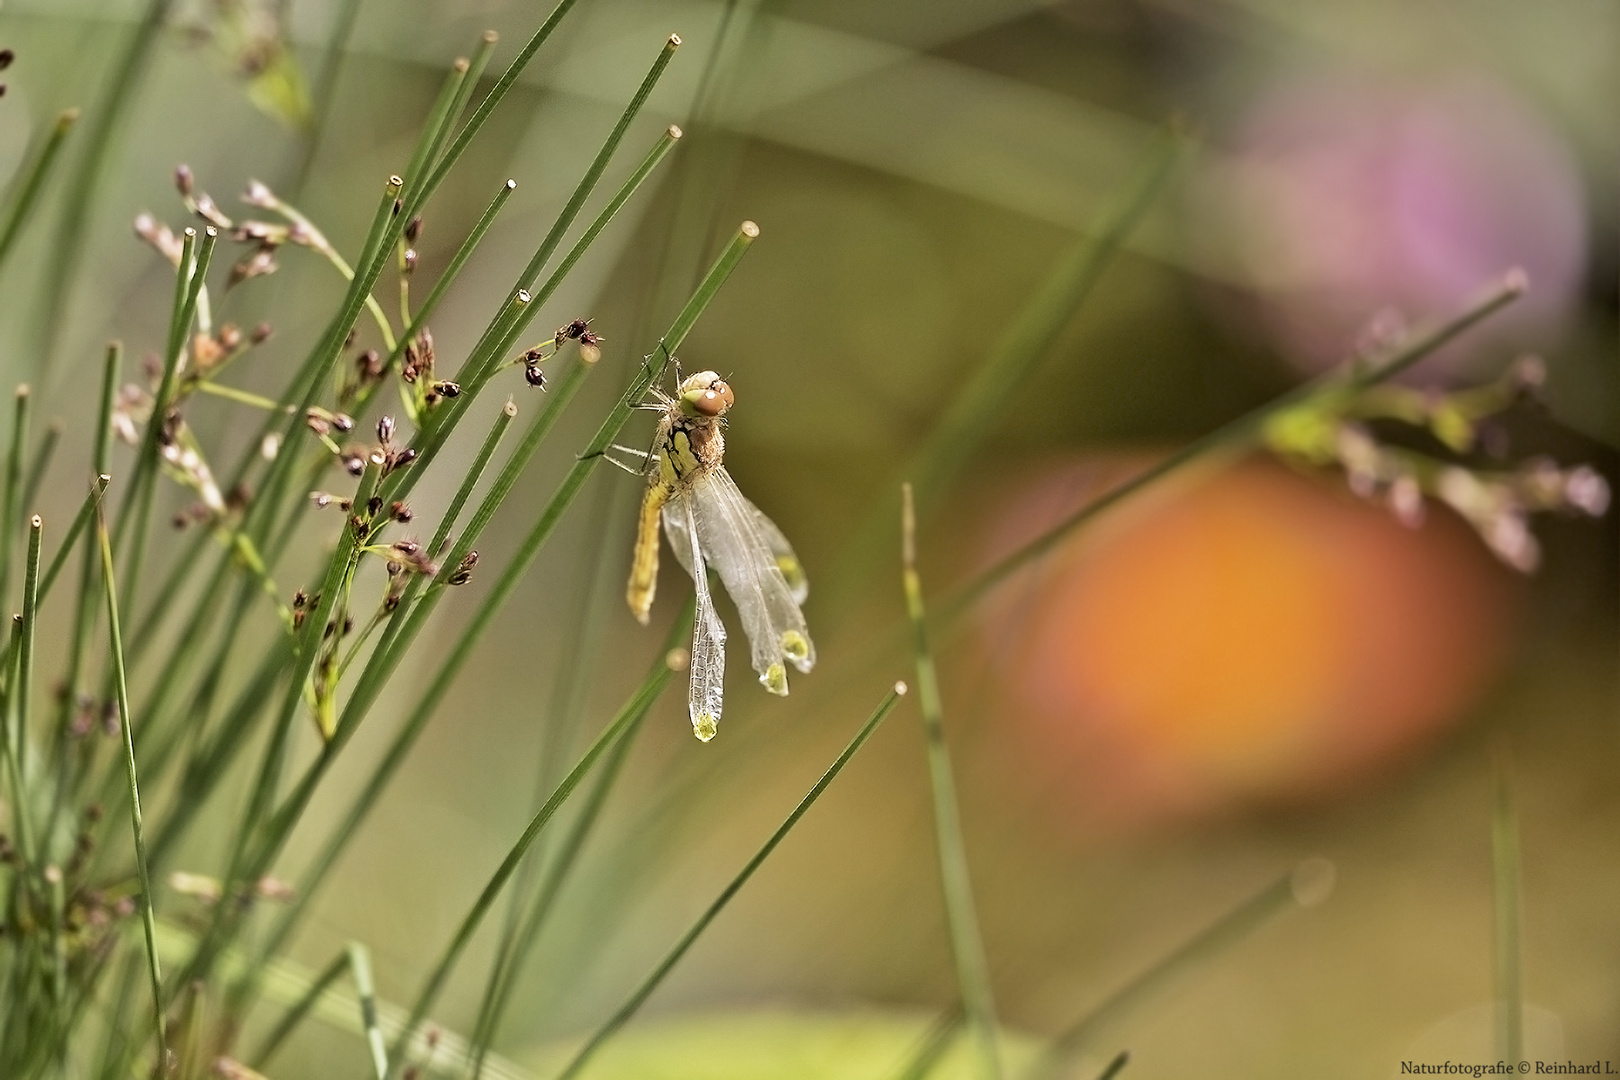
{"x": 644, "y": 563}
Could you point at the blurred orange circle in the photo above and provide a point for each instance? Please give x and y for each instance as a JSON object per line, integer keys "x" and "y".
{"x": 1246, "y": 633}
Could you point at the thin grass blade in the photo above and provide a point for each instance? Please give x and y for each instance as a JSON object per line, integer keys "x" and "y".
{"x": 360, "y": 971}
{"x": 1307, "y": 885}
{"x": 628, "y": 716}
{"x": 1238, "y": 434}
{"x": 300, "y": 1010}
{"x": 967, "y": 943}
{"x": 120, "y": 684}
{"x": 21, "y": 207}
{"x": 639, "y": 996}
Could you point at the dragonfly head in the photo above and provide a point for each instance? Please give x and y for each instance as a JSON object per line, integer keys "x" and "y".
{"x": 705, "y": 394}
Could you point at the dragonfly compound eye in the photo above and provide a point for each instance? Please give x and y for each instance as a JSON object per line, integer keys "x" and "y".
{"x": 710, "y": 400}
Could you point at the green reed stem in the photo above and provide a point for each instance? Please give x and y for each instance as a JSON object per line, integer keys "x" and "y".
{"x": 464, "y": 92}
{"x": 1306, "y": 886}
{"x": 16, "y": 759}
{"x": 79, "y": 196}
{"x": 81, "y": 520}
{"x": 378, "y": 668}
{"x": 20, "y": 210}
{"x": 501, "y": 333}
{"x": 1014, "y": 356}
{"x": 425, "y": 310}
{"x": 384, "y": 233}
{"x": 931, "y": 1050}
{"x": 120, "y": 684}
{"x": 628, "y": 716}
{"x": 447, "y": 520}
{"x": 337, "y": 50}
{"x": 1115, "y": 1067}
{"x": 481, "y": 114}
{"x": 84, "y": 611}
{"x": 967, "y": 944}
{"x": 1242, "y": 432}
{"x": 137, "y": 512}
{"x": 13, "y": 488}
{"x": 23, "y": 688}
{"x": 508, "y": 965}
{"x": 1509, "y": 919}
{"x": 407, "y": 622}
{"x": 360, "y": 970}
{"x": 300, "y": 1009}
{"x": 40, "y": 464}
{"x": 211, "y": 763}
{"x": 639, "y": 996}
{"x": 484, "y": 361}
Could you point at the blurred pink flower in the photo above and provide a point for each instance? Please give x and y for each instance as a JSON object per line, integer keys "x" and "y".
{"x": 1354, "y": 207}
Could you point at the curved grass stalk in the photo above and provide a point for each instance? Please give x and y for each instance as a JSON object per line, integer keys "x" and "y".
{"x": 1242, "y": 432}
{"x": 629, "y": 716}
{"x": 79, "y": 196}
{"x": 27, "y": 191}
{"x": 120, "y": 684}
{"x": 642, "y": 992}
{"x": 967, "y": 944}
{"x": 379, "y": 667}
{"x": 1307, "y": 885}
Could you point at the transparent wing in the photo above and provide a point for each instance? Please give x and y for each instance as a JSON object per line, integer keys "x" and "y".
{"x": 706, "y": 684}
{"x": 727, "y": 529}
{"x": 786, "y": 561}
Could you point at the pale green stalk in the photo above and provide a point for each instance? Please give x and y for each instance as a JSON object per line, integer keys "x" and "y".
{"x": 516, "y": 944}
{"x": 360, "y": 971}
{"x": 1243, "y": 432}
{"x": 12, "y": 497}
{"x": 79, "y": 195}
{"x": 1307, "y": 885}
{"x": 299, "y": 1010}
{"x": 933, "y": 1046}
{"x": 337, "y": 47}
{"x": 26, "y": 193}
{"x": 639, "y": 996}
{"x": 148, "y": 915}
{"x": 629, "y": 715}
{"x": 39, "y": 466}
{"x": 967, "y": 944}
{"x": 500, "y": 335}
{"x": 378, "y": 669}
{"x": 81, "y": 521}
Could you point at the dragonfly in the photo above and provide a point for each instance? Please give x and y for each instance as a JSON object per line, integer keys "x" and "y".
{"x": 710, "y": 523}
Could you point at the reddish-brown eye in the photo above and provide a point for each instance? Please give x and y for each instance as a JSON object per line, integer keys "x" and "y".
{"x": 715, "y": 400}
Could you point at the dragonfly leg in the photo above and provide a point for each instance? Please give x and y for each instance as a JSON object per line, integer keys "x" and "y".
{"x": 633, "y": 470}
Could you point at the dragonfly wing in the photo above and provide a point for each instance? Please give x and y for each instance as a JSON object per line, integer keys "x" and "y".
{"x": 726, "y": 526}
{"x": 786, "y": 561}
{"x": 677, "y": 511}
{"x": 706, "y": 685}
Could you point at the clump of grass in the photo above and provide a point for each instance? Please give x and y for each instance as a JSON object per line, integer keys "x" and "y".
{"x": 75, "y": 975}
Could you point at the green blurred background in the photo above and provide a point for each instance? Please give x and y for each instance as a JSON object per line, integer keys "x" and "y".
{"x": 916, "y": 170}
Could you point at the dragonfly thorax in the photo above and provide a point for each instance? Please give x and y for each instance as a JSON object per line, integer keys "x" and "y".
{"x": 687, "y": 449}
